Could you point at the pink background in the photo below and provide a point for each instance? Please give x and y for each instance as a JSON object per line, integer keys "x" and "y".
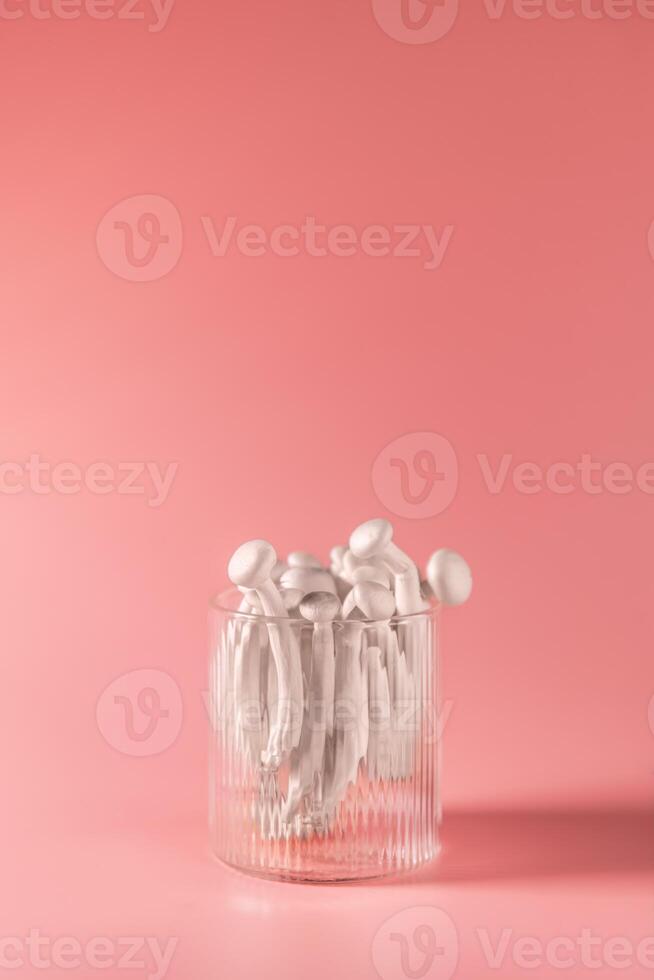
{"x": 274, "y": 383}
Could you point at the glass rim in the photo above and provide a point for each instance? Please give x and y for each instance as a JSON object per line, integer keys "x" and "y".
{"x": 219, "y": 603}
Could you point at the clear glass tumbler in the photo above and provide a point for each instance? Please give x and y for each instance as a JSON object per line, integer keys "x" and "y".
{"x": 324, "y": 762}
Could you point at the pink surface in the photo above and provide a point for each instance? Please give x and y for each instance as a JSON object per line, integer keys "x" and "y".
{"x": 513, "y": 895}
{"x": 269, "y": 388}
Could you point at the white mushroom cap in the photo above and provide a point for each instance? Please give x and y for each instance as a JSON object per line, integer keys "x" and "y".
{"x": 291, "y": 597}
{"x": 370, "y": 573}
{"x": 308, "y": 580}
{"x": 371, "y": 538}
{"x": 374, "y": 600}
{"x": 302, "y": 559}
{"x": 320, "y": 607}
{"x": 450, "y": 577}
{"x": 251, "y": 565}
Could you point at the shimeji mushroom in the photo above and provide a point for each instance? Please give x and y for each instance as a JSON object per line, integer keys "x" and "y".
{"x": 321, "y": 609}
{"x": 449, "y": 577}
{"x": 251, "y": 566}
{"x": 350, "y": 726}
{"x": 373, "y": 539}
{"x": 308, "y": 580}
{"x": 374, "y": 600}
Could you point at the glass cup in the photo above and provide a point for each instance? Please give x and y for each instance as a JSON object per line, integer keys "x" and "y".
{"x": 324, "y": 761}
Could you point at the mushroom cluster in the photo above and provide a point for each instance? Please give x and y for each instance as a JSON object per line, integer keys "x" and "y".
{"x": 325, "y": 663}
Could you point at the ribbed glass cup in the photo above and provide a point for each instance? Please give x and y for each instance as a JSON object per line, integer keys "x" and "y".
{"x": 324, "y": 762}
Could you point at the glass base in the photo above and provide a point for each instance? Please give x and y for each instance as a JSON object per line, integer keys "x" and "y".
{"x": 327, "y": 875}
